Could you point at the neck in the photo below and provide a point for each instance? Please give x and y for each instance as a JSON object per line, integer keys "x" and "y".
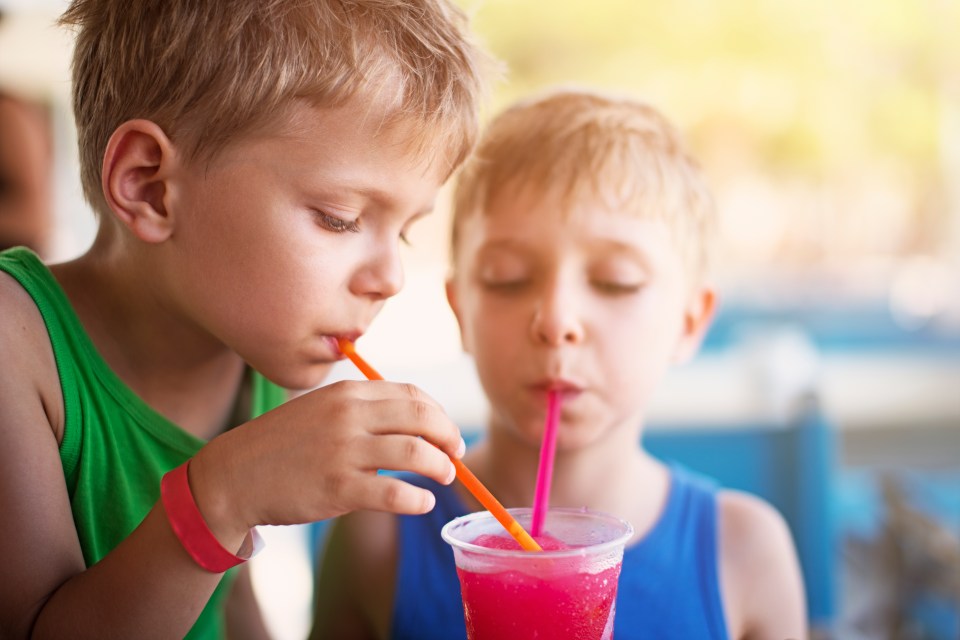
{"x": 168, "y": 360}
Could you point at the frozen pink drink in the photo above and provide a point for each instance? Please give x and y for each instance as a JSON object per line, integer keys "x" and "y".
{"x": 567, "y": 591}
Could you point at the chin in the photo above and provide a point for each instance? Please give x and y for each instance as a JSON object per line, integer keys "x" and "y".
{"x": 573, "y": 440}
{"x": 579, "y": 432}
{"x": 303, "y": 378}
{"x": 530, "y": 432}
{"x": 315, "y": 377}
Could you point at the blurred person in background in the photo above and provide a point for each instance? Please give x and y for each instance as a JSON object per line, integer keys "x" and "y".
{"x": 26, "y": 172}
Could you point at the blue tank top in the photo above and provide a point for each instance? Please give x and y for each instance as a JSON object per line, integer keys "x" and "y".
{"x": 669, "y": 585}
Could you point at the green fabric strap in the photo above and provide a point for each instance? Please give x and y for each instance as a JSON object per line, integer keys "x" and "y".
{"x": 115, "y": 447}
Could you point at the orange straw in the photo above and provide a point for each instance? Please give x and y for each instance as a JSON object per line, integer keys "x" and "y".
{"x": 470, "y": 481}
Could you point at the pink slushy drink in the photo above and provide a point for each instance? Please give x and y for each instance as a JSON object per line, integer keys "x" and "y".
{"x": 567, "y": 591}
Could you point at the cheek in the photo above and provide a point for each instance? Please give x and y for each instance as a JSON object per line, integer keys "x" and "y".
{"x": 268, "y": 296}
{"x": 495, "y": 346}
{"x": 497, "y": 331}
{"x": 636, "y": 358}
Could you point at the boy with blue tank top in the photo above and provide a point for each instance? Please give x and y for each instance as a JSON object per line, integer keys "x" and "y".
{"x": 579, "y": 265}
{"x": 254, "y": 166}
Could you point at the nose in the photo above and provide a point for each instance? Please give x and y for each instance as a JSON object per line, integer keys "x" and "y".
{"x": 381, "y": 276}
{"x": 557, "y": 318}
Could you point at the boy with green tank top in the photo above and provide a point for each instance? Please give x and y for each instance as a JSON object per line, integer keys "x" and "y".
{"x": 253, "y": 171}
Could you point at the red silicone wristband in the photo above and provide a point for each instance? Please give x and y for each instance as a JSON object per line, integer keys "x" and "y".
{"x": 189, "y": 526}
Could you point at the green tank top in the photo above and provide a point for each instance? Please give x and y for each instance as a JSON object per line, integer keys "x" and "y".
{"x": 115, "y": 447}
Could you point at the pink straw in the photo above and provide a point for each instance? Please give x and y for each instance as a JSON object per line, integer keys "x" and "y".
{"x": 548, "y": 449}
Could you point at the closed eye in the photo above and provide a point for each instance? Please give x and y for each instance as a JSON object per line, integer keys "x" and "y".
{"x": 335, "y": 224}
{"x": 505, "y": 286}
{"x": 616, "y": 288}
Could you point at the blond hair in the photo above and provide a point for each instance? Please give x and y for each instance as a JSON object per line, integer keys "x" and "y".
{"x": 206, "y": 70}
{"x": 584, "y": 145}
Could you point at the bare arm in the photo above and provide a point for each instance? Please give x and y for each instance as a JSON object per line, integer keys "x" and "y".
{"x": 760, "y": 575}
{"x": 356, "y": 577}
{"x": 46, "y": 591}
{"x": 263, "y": 472}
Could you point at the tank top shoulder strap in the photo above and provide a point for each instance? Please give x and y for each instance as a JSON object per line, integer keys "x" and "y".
{"x": 67, "y": 336}
{"x": 77, "y": 358}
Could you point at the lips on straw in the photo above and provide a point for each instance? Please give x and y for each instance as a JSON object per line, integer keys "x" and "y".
{"x": 470, "y": 481}
{"x": 548, "y": 450}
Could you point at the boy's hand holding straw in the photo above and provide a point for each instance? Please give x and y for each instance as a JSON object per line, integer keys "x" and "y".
{"x": 470, "y": 481}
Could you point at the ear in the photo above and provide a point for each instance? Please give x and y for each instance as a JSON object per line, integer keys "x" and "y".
{"x": 696, "y": 320}
{"x": 454, "y": 302}
{"x": 137, "y": 167}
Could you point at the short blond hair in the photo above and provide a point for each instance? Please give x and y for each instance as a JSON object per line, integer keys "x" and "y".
{"x": 585, "y": 145}
{"x": 208, "y": 70}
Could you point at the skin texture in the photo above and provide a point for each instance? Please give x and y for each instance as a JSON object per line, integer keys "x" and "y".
{"x": 260, "y": 257}
{"x": 597, "y": 302}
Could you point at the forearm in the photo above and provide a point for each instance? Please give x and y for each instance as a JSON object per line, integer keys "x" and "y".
{"x": 147, "y": 587}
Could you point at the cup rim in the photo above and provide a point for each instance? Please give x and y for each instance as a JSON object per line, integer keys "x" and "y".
{"x": 594, "y": 549}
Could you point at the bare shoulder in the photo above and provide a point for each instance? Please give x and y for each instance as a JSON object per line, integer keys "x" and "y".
{"x": 25, "y": 349}
{"x": 749, "y": 521}
{"x": 39, "y": 544}
{"x": 760, "y": 575}
{"x": 356, "y": 576}
{"x": 19, "y": 310}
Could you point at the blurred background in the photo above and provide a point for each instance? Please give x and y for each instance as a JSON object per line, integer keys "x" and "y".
{"x": 830, "y": 132}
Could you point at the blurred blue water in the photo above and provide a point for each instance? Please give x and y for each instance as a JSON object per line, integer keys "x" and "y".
{"x": 833, "y": 327}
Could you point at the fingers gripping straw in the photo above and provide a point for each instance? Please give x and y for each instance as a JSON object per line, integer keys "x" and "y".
{"x": 548, "y": 450}
{"x": 465, "y": 476}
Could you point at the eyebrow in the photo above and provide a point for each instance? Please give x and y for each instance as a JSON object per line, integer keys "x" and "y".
{"x": 620, "y": 247}
{"x": 609, "y": 244}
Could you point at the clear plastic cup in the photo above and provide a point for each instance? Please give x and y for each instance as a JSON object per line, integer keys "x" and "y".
{"x": 558, "y": 594}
